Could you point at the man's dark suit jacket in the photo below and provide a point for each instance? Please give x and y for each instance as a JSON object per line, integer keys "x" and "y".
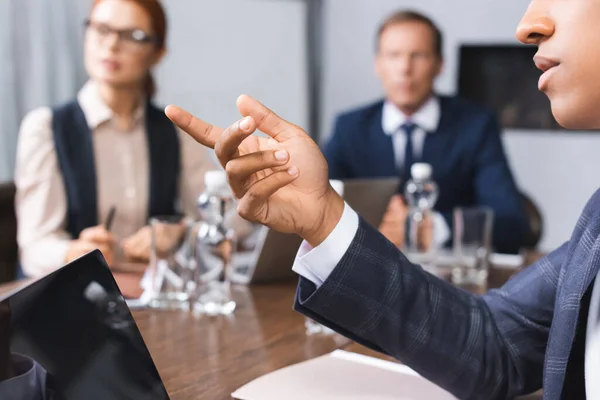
{"x": 511, "y": 341}
{"x": 466, "y": 153}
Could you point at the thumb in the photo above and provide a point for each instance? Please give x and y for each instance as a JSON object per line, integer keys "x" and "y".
{"x": 267, "y": 121}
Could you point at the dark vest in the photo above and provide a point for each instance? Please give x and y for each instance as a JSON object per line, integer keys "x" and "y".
{"x": 75, "y": 153}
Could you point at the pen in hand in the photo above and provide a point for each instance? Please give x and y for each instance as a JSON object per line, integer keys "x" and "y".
{"x": 109, "y": 219}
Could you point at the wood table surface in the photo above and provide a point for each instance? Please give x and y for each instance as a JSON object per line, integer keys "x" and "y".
{"x": 201, "y": 357}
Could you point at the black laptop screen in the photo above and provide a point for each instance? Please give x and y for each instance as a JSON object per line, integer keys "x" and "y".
{"x": 76, "y": 329}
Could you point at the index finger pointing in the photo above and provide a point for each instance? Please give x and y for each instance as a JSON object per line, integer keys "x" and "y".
{"x": 204, "y": 133}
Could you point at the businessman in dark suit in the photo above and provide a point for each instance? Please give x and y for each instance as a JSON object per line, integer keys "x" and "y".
{"x": 458, "y": 138}
{"x": 542, "y": 329}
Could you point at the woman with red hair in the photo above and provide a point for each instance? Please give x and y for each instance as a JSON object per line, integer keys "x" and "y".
{"x": 110, "y": 147}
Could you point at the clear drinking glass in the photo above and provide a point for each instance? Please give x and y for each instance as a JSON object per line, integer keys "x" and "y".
{"x": 313, "y": 327}
{"x": 472, "y": 247}
{"x": 213, "y": 261}
{"x": 168, "y": 273}
{"x": 249, "y": 240}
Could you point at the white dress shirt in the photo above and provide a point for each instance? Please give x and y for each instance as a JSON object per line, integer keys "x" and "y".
{"x": 316, "y": 264}
{"x": 122, "y": 168}
{"x": 427, "y": 119}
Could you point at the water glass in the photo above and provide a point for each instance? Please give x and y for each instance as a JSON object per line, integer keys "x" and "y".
{"x": 213, "y": 261}
{"x": 472, "y": 247}
{"x": 168, "y": 273}
{"x": 248, "y": 247}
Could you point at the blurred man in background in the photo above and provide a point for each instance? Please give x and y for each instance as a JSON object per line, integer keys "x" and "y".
{"x": 412, "y": 124}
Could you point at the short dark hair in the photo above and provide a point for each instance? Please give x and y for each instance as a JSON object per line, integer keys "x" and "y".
{"x": 403, "y": 16}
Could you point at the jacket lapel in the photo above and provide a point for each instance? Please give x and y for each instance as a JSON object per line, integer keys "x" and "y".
{"x": 381, "y": 160}
{"x": 578, "y": 271}
{"x": 437, "y": 144}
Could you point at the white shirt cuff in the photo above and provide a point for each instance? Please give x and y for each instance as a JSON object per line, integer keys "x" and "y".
{"x": 316, "y": 264}
{"x": 441, "y": 230}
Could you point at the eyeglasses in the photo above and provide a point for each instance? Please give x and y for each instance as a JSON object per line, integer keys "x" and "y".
{"x": 134, "y": 38}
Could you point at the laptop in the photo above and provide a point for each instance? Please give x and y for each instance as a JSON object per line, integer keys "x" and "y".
{"x": 275, "y": 252}
{"x": 370, "y": 197}
{"x": 76, "y": 329}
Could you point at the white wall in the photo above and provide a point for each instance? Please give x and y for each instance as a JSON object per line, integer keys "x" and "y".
{"x": 219, "y": 49}
{"x": 41, "y": 63}
{"x": 559, "y": 170}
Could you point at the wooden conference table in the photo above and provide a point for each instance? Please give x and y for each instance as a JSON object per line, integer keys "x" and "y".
{"x": 201, "y": 357}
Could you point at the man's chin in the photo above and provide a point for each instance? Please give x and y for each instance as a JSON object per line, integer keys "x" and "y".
{"x": 570, "y": 116}
{"x": 406, "y": 103}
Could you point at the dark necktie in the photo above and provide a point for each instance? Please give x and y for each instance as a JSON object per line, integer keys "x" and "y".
{"x": 408, "y": 128}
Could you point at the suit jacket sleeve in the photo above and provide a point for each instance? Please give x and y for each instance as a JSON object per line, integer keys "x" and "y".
{"x": 336, "y": 151}
{"x": 496, "y": 188}
{"x": 489, "y": 347}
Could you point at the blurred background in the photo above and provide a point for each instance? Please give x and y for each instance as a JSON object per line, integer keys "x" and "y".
{"x": 310, "y": 60}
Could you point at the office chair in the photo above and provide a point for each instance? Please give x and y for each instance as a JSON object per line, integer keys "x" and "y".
{"x": 536, "y": 223}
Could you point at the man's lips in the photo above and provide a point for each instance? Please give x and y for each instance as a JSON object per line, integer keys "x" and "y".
{"x": 548, "y": 66}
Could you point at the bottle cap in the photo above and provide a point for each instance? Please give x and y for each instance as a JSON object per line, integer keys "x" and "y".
{"x": 421, "y": 171}
{"x": 215, "y": 180}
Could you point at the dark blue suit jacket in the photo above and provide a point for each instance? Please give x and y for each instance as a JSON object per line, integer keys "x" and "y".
{"x": 511, "y": 341}
{"x": 466, "y": 153}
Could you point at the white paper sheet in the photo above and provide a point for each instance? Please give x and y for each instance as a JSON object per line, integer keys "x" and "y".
{"x": 342, "y": 375}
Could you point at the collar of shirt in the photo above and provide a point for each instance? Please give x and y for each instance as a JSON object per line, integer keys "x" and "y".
{"x": 95, "y": 109}
{"x": 427, "y": 117}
